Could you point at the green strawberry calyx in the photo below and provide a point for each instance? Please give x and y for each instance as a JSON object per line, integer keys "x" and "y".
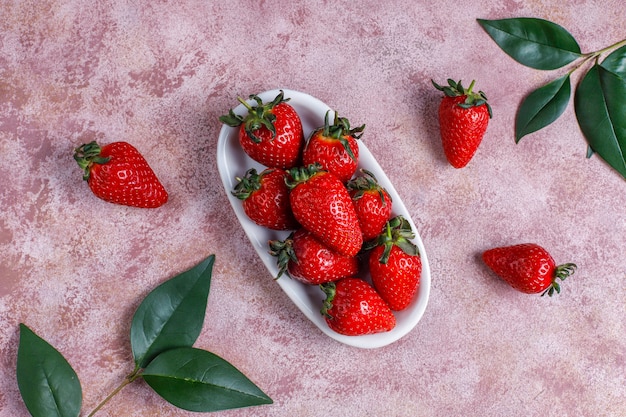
{"x": 560, "y": 273}
{"x": 247, "y": 185}
{"x": 299, "y": 175}
{"x": 284, "y": 252}
{"x": 397, "y": 232}
{"x": 339, "y": 130}
{"x": 88, "y": 154}
{"x": 366, "y": 183}
{"x": 330, "y": 289}
{"x": 472, "y": 99}
{"x": 259, "y": 115}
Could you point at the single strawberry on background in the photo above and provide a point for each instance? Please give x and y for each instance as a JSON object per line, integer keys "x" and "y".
{"x": 321, "y": 203}
{"x": 265, "y": 198}
{"x": 308, "y": 260}
{"x": 395, "y": 264}
{"x": 528, "y": 268}
{"x": 271, "y": 133}
{"x": 463, "y": 119}
{"x": 353, "y": 308}
{"x": 334, "y": 147}
{"x": 119, "y": 174}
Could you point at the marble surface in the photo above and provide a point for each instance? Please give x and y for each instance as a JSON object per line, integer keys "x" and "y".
{"x": 159, "y": 74}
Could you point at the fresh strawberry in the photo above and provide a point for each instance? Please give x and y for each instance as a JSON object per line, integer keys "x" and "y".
{"x": 371, "y": 202}
{"x": 395, "y": 264}
{"x": 118, "y": 173}
{"x": 353, "y": 308}
{"x": 306, "y": 259}
{"x": 528, "y": 268}
{"x": 321, "y": 204}
{"x": 463, "y": 119}
{"x": 334, "y": 147}
{"x": 270, "y": 133}
{"x": 265, "y": 198}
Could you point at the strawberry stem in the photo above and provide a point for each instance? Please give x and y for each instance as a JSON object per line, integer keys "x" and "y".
{"x": 561, "y": 273}
{"x": 88, "y": 154}
{"x": 330, "y": 289}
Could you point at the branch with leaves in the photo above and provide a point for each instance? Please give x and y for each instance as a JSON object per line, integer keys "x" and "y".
{"x": 163, "y": 331}
{"x": 599, "y": 100}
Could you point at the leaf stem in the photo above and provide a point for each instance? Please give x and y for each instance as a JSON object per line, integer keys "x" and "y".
{"x": 129, "y": 379}
{"x": 596, "y": 55}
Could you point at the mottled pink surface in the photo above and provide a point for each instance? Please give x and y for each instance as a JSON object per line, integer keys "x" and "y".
{"x": 159, "y": 73}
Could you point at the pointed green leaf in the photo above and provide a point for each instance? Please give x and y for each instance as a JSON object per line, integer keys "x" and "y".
{"x": 601, "y": 110}
{"x": 48, "y": 384}
{"x": 197, "y": 380}
{"x": 535, "y": 43}
{"x": 172, "y": 315}
{"x": 542, "y": 107}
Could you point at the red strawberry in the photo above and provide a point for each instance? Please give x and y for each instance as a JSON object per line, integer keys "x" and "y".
{"x": 265, "y": 198}
{"x": 321, "y": 204}
{"x": 334, "y": 147}
{"x": 118, "y": 173}
{"x": 308, "y": 260}
{"x": 528, "y": 268}
{"x": 353, "y": 308}
{"x": 270, "y": 133}
{"x": 463, "y": 119}
{"x": 371, "y": 202}
{"x": 395, "y": 264}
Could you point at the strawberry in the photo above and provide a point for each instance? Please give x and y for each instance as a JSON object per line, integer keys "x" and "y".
{"x": 334, "y": 147}
{"x": 395, "y": 264}
{"x": 306, "y": 259}
{"x": 265, "y": 198}
{"x": 270, "y": 133}
{"x": 463, "y": 119}
{"x": 321, "y": 204}
{"x": 371, "y": 202}
{"x": 528, "y": 268}
{"x": 353, "y": 308}
{"x": 118, "y": 173}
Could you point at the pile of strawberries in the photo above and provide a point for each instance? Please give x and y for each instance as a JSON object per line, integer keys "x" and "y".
{"x": 340, "y": 218}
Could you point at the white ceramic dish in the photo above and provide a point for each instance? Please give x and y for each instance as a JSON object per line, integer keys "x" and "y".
{"x": 232, "y": 162}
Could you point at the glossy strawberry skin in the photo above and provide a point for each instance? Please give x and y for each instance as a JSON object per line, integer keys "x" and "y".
{"x": 322, "y": 205}
{"x": 122, "y": 175}
{"x": 356, "y": 309}
{"x": 527, "y": 267}
{"x": 462, "y": 129}
{"x": 265, "y": 199}
{"x": 316, "y": 263}
{"x": 398, "y": 280}
{"x": 331, "y": 154}
{"x": 372, "y": 204}
{"x": 282, "y": 150}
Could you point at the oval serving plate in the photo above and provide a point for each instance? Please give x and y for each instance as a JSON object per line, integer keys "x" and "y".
{"x": 233, "y": 162}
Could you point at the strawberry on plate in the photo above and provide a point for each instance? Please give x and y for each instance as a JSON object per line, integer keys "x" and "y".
{"x": 321, "y": 204}
{"x": 353, "y": 308}
{"x": 306, "y": 259}
{"x": 528, "y": 268}
{"x": 463, "y": 119}
{"x": 372, "y": 204}
{"x": 118, "y": 173}
{"x": 265, "y": 198}
{"x": 270, "y": 133}
{"x": 395, "y": 264}
{"x": 334, "y": 147}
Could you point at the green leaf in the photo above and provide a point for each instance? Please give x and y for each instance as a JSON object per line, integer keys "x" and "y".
{"x": 535, "y": 43}
{"x": 542, "y": 107}
{"x": 601, "y": 109}
{"x": 197, "y": 380}
{"x": 48, "y": 384}
{"x": 172, "y": 315}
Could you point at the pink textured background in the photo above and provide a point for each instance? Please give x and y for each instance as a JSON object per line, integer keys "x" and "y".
{"x": 159, "y": 73}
